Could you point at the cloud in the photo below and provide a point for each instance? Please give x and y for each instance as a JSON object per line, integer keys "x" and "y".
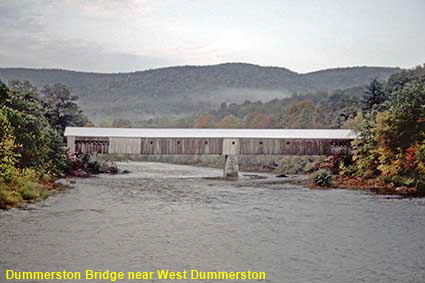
{"x": 129, "y": 35}
{"x": 36, "y": 33}
{"x": 102, "y": 8}
{"x": 83, "y": 55}
{"x": 15, "y": 16}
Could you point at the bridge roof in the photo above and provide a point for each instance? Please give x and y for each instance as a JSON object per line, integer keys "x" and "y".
{"x": 210, "y": 133}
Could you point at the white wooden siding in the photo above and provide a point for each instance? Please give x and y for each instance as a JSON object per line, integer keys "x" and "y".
{"x": 124, "y": 145}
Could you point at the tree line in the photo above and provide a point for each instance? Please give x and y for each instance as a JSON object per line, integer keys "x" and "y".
{"x": 311, "y": 110}
{"x": 391, "y": 128}
{"x": 32, "y": 150}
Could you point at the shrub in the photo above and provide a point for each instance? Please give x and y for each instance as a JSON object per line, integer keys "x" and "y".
{"x": 32, "y": 191}
{"x": 322, "y": 178}
{"x": 297, "y": 164}
{"x": 334, "y": 164}
{"x": 84, "y": 163}
{"x": 8, "y": 198}
{"x": 347, "y": 170}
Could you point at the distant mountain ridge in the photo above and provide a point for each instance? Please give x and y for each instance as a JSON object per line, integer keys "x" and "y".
{"x": 186, "y": 90}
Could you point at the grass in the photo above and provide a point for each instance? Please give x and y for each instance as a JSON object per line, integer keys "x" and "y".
{"x": 12, "y": 196}
{"x": 32, "y": 191}
{"x": 9, "y": 198}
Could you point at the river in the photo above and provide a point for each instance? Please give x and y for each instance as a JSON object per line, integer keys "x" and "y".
{"x": 163, "y": 216}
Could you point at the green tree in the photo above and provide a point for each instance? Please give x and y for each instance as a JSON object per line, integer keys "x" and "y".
{"x": 3, "y": 93}
{"x": 23, "y": 97}
{"x": 61, "y": 109}
{"x": 24, "y": 111}
{"x": 374, "y": 97}
{"x": 8, "y": 155}
{"x": 41, "y": 146}
{"x": 406, "y": 117}
{"x": 366, "y": 147}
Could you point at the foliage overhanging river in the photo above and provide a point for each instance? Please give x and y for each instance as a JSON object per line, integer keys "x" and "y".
{"x": 164, "y": 216}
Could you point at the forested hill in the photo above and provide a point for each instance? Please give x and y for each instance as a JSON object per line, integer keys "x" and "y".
{"x": 189, "y": 89}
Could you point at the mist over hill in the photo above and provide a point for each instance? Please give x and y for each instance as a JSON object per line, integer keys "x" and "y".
{"x": 189, "y": 89}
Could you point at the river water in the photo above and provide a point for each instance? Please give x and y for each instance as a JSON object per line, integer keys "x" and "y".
{"x": 164, "y": 216}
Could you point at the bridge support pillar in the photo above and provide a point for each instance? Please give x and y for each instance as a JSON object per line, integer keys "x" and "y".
{"x": 231, "y": 166}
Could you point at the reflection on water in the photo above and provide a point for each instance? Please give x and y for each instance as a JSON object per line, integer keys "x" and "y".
{"x": 165, "y": 216}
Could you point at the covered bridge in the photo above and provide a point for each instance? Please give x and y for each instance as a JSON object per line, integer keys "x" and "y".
{"x": 227, "y": 142}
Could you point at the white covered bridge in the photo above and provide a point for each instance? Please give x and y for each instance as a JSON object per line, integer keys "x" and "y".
{"x": 227, "y": 142}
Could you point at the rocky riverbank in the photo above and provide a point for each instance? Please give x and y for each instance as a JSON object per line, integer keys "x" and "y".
{"x": 371, "y": 185}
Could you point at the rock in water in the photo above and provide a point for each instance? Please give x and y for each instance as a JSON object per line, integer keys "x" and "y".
{"x": 282, "y": 176}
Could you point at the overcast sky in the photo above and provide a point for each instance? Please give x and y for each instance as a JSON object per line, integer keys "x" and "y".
{"x": 129, "y": 35}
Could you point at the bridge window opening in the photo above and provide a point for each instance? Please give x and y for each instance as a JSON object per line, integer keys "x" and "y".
{"x": 261, "y": 142}
{"x": 287, "y": 143}
{"x": 151, "y": 142}
{"x": 206, "y": 142}
{"x": 178, "y": 142}
{"x": 233, "y": 142}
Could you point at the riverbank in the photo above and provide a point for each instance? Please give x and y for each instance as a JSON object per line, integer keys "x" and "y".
{"x": 338, "y": 182}
{"x": 29, "y": 188}
{"x": 370, "y": 185}
{"x": 27, "y": 192}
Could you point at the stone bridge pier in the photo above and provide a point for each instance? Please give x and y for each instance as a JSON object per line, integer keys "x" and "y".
{"x": 231, "y": 166}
